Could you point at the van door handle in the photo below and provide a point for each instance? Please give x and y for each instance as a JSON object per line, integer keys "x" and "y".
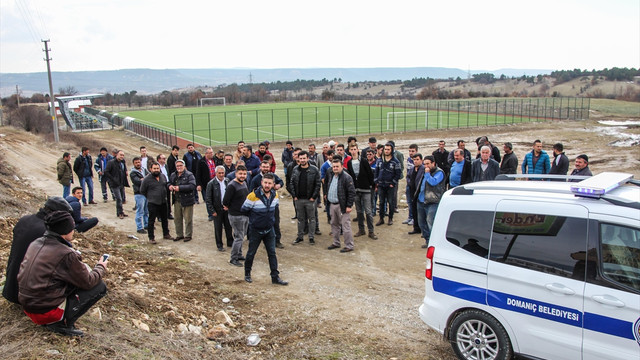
{"x": 559, "y": 288}
{"x": 608, "y": 300}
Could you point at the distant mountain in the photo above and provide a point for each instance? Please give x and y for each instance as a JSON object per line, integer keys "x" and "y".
{"x": 149, "y": 81}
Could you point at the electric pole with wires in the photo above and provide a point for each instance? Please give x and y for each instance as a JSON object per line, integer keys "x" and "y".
{"x": 52, "y": 107}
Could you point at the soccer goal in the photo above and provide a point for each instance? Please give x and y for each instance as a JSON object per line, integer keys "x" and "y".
{"x": 406, "y": 117}
{"x": 214, "y": 99}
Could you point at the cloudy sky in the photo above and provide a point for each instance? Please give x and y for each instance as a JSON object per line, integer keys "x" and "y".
{"x": 160, "y": 34}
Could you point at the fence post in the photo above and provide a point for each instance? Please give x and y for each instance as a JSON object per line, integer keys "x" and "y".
{"x": 273, "y": 129}
{"x": 209, "y": 121}
{"x": 226, "y": 131}
{"x": 257, "y": 129}
{"x": 242, "y": 125}
{"x": 193, "y": 133}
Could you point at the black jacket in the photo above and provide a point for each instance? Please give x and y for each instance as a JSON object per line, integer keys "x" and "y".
{"x": 364, "y": 180}
{"x": 563, "y": 165}
{"x": 213, "y": 196}
{"x": 171, "y": 164}
{"x": 346, "y": 190}
{"x": 187, "y": 185}
{"x": 313, "y": 182}
{"x": 79, "y": 165}
{"x": 415, "y": 181}
{"x": 28, "y": 228}
{"x": 116, "y": 174}
{"x": 509, "y": 164}
{"x": 136, "y": 178}
{"x": 202, "y": 172}
{"x": 155, "y": 190}
{"x": 442, "y": 159}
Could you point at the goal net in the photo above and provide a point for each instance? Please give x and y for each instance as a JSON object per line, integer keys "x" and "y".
{"x": 400, "y": 119}
{"x": 214, "y": 100}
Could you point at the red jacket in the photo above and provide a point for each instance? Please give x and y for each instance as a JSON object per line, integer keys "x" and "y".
{"x": 273, "y": 160}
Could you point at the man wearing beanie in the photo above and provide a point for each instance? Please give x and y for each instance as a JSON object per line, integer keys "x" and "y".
{"x": 28, "y": 229}
{"x": 56, "y": 287}
{"x": 582, "y": 167}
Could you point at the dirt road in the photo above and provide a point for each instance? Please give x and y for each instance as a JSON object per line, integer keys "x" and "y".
{"x": 367, "y": 298}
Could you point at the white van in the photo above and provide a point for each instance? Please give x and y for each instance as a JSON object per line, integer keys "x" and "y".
{"x": 538, "y": 269}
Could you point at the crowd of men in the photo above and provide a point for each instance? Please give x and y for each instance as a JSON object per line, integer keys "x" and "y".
{"x": 241, "y": 193}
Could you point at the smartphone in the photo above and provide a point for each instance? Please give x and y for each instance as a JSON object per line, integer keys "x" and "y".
{"x": 105, "y": 257}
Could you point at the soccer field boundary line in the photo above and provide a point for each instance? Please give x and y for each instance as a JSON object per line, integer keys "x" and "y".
{"x": 267, "y": 132}
{"x": 175, "y": 132}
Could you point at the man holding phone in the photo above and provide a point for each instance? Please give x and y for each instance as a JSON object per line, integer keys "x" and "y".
{"x": 55, "y": 286}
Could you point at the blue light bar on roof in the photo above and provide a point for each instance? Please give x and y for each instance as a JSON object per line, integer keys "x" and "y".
{"x": 600, "y": 184}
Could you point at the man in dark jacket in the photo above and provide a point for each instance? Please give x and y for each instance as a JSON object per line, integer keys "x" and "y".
{"x": 183, "y": 184}
{"x": 191, "y": 158}
{"x": 83, "y": 167}
{"x": 509, "y": 164}
{"x": 260, "y": 206}
{"x": 362, "y": 175}
{"x": 251, "y": 161}
{"x": 65, "y": 174}
{"x": 256, "y": 181}
{"x": 484, "y": 168}
{"x": 305, "y": 189}
{"x": 432, "y": 187}
{"x": 442, "y": 155}
{"x": 213, "y": 198}
{"x": 142, "y": 210}
{"x": 582, "y": 167}
{"x": 205, "y": 171}
{"x": 415, "y": 180}
{"x": 232, "y": 201}
{"x": 341, "y": 193}
{"x": 26, "y": 230}
{"x": 56, "y": 287}
{"x": 560, "y": 164}
{"x": 116, "y": 174}
{"x": 154, "y": 188}
{"x": 100, "y": 166}
{"x": 82, "y": 223}
{"x": 388, "y": 173}
{"x": 287, "y": 156}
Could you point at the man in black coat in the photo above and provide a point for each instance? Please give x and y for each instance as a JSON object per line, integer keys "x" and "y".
{"x": 83, "y": 167}
{"x": 28, "y": 229}
{"x": 116, "y": 173}
{"x": 204, "y": 172}
{"x": 415, "y": 180}
{"x": 213, "y": 198}
{"x": 362, "y": 175}
{"x": 560, "y": 164}
{"x": 154, "y": 188}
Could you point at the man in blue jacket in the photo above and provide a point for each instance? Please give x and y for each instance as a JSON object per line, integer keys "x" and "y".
{"x": 82, "y": 223}
{"x": 388, "y": 173}
{"x": 260, "y": 205}
{"x": 536, "y": 161}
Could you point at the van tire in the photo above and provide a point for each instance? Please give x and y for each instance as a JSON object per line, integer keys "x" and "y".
{"x": 475, "y": 334}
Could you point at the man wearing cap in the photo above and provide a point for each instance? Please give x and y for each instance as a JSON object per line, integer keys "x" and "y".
{"x": 28, "y": 228}
{"x": 582, "y": 167}
{"x": 287, "y": 156}
{"x": 55, "y": 286}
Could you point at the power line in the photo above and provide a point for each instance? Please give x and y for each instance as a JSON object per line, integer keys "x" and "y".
{"x": 28, "y": 19}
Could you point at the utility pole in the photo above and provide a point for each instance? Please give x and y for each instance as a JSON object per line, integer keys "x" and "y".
{"x": 250, "y": 78}
{"x": 52, "y": 107}
{"x": 18, "y": 95}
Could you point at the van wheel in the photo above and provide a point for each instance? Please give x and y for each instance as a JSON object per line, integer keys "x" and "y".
{"x": 476, "y": 335}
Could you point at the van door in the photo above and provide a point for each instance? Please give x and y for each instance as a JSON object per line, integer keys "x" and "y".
{"x": 612, "y": 292}
{"x": 536, "y": 274}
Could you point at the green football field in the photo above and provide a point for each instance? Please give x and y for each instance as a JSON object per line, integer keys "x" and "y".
{"x": 300, "y": 120}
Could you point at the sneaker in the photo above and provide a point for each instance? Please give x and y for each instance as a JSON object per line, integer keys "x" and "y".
{"x": 279, "y": 245}
{"x": 278, "y": 281}
{"x": 359, "y": 233}
{"x": 105, "y": 200}
{"x": 141, "y": 231}
{"x": 297, "y": 241}
{"x": 221, "y": 249}
{"x": 312, "y": 242}
{"x": 373, "y": 236}
{"x": 248, "y": 279}
{"x": 318, "y": 232}
{"x": 424, "y": 246}
{"x": 235, "y": 263}
{"x": 170, "y": 217}
{"x": 410, "y": 222}
{"x": 406, "y": 221}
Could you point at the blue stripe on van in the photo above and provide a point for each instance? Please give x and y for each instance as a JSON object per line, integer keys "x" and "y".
{"x": 548, "y": 311}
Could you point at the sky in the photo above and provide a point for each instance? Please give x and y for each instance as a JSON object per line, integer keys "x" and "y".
{"x": 464, "y": 34}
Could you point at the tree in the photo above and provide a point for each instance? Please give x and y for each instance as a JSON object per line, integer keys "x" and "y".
{"x": 327, "y": 95}
{"x": 67, "y": 91}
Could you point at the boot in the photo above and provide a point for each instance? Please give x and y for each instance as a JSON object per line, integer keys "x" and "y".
{"x": 380, "y": 222}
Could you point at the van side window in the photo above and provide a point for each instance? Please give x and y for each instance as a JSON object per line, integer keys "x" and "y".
{"x": 546, "y": 243}
{"x": 471, "y": 230}
{"x": 620, "y": 251}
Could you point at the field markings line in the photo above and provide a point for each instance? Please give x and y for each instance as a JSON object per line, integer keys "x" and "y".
{"x": 266, "y": 132}
{"x": 173, "y": 131}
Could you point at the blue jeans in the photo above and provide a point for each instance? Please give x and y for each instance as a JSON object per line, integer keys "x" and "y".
{"x": 89, "y": 182}
{"x": 65, "y": 190}
{"x": 142, "y": 211}
{"x": 426, "y": 214}
{"x": 269, "y": 239}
